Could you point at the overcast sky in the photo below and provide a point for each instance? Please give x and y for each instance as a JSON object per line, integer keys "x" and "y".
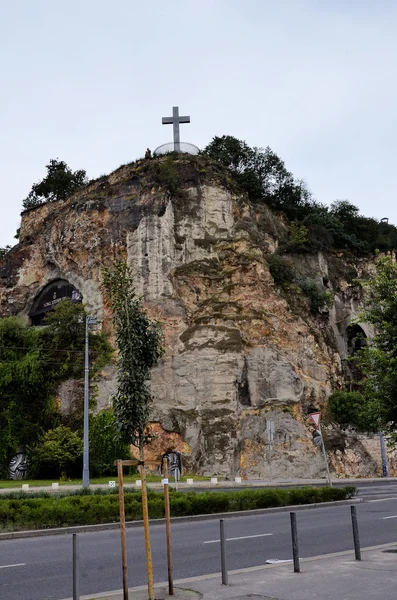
{"x": 88, "y": 81}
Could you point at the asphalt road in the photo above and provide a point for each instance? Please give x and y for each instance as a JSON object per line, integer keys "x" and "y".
{"x": 43, "y": 569}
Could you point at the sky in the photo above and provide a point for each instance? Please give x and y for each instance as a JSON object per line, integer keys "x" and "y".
{"x": 87, "y": 81}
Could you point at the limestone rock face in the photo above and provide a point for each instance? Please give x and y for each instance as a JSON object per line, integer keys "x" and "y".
{"x": 237, "y": 354}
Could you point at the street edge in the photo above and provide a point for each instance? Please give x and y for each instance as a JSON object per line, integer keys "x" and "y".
{"x": 12, "y": 535}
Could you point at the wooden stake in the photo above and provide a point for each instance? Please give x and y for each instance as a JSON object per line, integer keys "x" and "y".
{"x": 145, "y": 512}
{"x": 168, "y": 528}
{"x": 122, "y": 530}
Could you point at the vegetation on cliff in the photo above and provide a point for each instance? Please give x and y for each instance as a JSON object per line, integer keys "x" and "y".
{"x": 264, "y": 177}
{"x": 59, "y": 183}
{"x": 371, "y": 405}
{"x": 378, "y": 359}
{"x": 33, "y": 362}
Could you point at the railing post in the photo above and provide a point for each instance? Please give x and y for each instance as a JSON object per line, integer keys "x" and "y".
{"x": 168, "y": 528}
{"x": 225, "y": 578}
{"x": 75, "y": 562}
{"x": 356, "y": 537}
{"x": 295, "y": 546}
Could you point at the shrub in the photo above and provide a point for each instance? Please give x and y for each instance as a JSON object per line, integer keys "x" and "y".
{"x": 317, "y": 298}
{"x": 105, "y": 447}
{"x": 58, "y": 453}
{"x": 19, "y": 510}
{"x": 352, "y": 408}
{"x": 168, "y": 174}
{"x": 281, "y": 269}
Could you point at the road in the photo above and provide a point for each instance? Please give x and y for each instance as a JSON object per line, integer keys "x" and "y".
{"x": 40, "y": 568}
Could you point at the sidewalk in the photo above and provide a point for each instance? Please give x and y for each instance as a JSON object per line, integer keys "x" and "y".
{"x": 330, "y": 577}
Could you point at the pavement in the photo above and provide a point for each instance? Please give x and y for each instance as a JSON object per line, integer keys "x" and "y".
{"x": 328, "y": 577}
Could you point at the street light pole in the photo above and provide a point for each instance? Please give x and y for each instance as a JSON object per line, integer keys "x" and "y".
{"x": 86, "y": 460}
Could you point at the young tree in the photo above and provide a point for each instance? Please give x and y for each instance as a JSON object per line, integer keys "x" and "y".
{"x": 139, "y": 341}
{"x": 59, "y": 183}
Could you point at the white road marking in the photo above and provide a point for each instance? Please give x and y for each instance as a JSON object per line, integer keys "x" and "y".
{"x": 17, "y": 565}
{"x": 392, "y": 517}
{"x": 244, "y": 537}
{"x": 382, "y": 499}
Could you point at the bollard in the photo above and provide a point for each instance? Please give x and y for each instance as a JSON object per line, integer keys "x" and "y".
{"x": 75, "y": 562}
{"x": 356, "y": 537}
{"x": 225, "y": 579}
{"x": 295, "y": 547}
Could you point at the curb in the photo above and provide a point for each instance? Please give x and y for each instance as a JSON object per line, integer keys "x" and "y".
{"x": 13, "y": 535}
{"x": 209, "y": 576}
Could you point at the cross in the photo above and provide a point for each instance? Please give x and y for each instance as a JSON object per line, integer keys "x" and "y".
{"x": 175, "y": 120}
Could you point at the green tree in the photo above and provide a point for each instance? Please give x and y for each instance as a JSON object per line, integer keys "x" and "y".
{"x": 260, "y": 172}
{"x": 139, "y": 342}
{"x": 352, "y": 408}
{"x": 263, "y": 176}
{"x": 59, "y": 183}
{"x": 378, "y": 360}
{"x": 26, "y": 391}
{"x": 64, "y": 338}
{"x": 105, "y": 447}
{"x": 33, "y": 361}
{"x": 58, "y": 453}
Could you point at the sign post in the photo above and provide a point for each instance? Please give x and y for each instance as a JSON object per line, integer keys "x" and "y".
{"x": 270, "y": 437}
{"x": 316, "y": 418}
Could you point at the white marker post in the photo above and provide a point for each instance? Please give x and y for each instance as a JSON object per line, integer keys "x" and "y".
{"x": 316, "y": 418}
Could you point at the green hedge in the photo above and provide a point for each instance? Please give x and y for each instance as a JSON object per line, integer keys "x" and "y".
{"x": 19, "y": 510}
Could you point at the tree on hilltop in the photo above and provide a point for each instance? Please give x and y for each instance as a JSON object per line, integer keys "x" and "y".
{"x": 260, "y": 172}
{"x": 59, "y": 183}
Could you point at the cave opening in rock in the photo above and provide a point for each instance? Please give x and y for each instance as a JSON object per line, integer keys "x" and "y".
{"x": 355, "y": 339}
{"x": 50, "y": 296}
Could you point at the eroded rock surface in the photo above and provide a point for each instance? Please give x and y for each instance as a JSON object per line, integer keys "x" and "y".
{"x": 238, "y": 354}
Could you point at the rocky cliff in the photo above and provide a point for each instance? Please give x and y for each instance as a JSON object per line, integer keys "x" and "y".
{"x": 240, "y": 350}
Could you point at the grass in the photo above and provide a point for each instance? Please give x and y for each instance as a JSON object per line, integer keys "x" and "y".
{"x": 37, "y": 510}
{"x": 10, "y": 483}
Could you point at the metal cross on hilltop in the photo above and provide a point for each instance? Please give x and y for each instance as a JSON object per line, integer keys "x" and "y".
{"x": 175, "y": 120}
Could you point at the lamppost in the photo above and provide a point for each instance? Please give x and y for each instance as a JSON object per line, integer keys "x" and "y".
{"x": 86, "y": 467}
